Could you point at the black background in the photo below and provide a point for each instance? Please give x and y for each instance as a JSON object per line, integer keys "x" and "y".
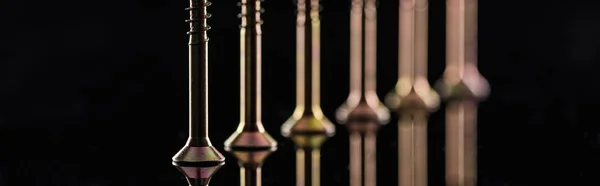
{"x": 94, "y": 93}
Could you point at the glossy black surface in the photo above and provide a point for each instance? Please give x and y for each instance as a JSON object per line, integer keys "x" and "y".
{"x": 94, "y": 93}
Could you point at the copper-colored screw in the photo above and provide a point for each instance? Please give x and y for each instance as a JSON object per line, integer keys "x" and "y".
{"x": 308, "y": 127}
{"x": 413, "y": 98}
{"x": 363, "y": 112}
{"x": 250, "y": 143}
{"x": 462, "y": 87}
{"x": 198, "y": 160}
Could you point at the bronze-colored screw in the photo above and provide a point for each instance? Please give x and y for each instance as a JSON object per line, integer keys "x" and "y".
{"x": 198, "y": 160}
{"x": 308, "y": 127}
{"x": 462, "y": 87}
{"x": 363, "y": 112}
{"x": 250, "y": 143}
{"x": 412, "y": 97}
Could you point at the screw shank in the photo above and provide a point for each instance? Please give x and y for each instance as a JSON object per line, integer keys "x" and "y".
{"x": 356, "y": 47}
{"x": 362, "y": 103}
{"x": 413, "y": 39}
{"x": 250, "y": 63}
{"x": 461, "y": 35}
{"x": 462, "y": 87}
{"x": 370, "y": 49}
{"x": 413, "y": 98}
{"x": 250, "y": 143}
{"x": 308, "y": 54}
{"x": 198, "y": 160}
{"x": 198, "y": 73}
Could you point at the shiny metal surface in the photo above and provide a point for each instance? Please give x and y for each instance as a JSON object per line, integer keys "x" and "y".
{"x": 308, "y": 127}
{"x": 363, "y": 113}
{"x": 413, "y": 98}
{"x": 250, "y": 143}
{"x": 198, "y": 160}
{"x": 462, "y": 87}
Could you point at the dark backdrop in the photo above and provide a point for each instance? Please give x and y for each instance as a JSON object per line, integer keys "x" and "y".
{"x": 94, "y": 93}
